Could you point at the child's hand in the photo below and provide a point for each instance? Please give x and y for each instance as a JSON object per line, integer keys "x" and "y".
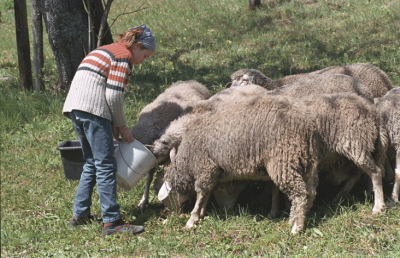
{"x": 125, "y": 133}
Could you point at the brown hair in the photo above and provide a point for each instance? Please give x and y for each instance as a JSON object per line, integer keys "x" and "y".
{"x": 128, "y": 37}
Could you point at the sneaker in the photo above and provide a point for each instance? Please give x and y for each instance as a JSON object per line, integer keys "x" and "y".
{"x": 74, "y": 222}
{"x": 120, "y": 226}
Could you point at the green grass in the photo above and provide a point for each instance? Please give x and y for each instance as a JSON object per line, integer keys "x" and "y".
{"x": 205, "y": 41}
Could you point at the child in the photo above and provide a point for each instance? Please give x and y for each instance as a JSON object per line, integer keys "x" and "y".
{"x": 95, "y": 105}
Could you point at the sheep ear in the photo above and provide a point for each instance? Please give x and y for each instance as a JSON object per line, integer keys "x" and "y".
{"x": 251, "y": 79}
{"x": 228, "y": 85}
{"x": 236, "y": 83}
{"x": 150, "y": 147}
{"x": 172, "y": 154}
{"x": 164, "y": 191}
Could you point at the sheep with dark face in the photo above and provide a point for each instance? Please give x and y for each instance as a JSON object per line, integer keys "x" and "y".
{"x": 389, "y": 108}
{"x": 157, "y": 115}
{"x": 371, "y": 76}
{"x": 279, "y": 138}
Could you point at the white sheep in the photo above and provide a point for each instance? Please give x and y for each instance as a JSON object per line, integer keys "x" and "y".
{"x": 371, "y": 76}
{"x": 172, "y": 136}
{"x": 280, "y": 138}
{"x": 157, "y": 115}
{"x": 337, "y": 168}
{"x": 324, "y": 84}
{"x": 166, "y": 146}
{"x": 304, "y": 86}
{"x": 389, "y": 108}
{"x": 170, "y": 104}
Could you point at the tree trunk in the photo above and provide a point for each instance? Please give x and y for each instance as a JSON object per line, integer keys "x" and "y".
{"x": 106, "y": 38}
{"x": 67, "y": 26}
{"x": 103, "y": 28}
{"x": 37, "y": 29}
{"x": 22, "y": 35}
{"x": 254, "y": 3}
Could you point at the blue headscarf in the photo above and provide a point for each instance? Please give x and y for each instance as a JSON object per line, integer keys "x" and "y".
{"x": 147, "y": 38}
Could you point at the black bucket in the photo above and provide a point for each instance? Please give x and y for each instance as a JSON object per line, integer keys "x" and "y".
{"x": 72, "y": 158}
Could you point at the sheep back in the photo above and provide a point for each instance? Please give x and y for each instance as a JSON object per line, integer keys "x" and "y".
{"x": 279, "y": 134}
{"x": 389, "y": 108}
{"x": 173, "y": 134}
{"x": 324, "y": 83}
{"x": 242, "y": 139}
{"x": 156, "y": 116}
{"x": 247, "y": 138}
{"x": 372, "y": 76}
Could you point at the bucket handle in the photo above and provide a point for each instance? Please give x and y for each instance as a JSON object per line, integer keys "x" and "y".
{"x": 119, "y": 148}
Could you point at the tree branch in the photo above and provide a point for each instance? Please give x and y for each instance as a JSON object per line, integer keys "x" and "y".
{"x": 104, "y": 18}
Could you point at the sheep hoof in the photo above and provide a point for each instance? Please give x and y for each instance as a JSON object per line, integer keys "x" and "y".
{"x": 395, "y": 199}
{"x": 391, "y": 203}
{"x": 188, "y": 226}
{"x": 142, "y": 205}
{"x": 272, "y": 215}
{"x": 376, "y": 211}
{"x": 296, "y": 229}
{"x": 190, "y": 223}
{"x": 291, "y": 221}
{"x": 337, "y": 200}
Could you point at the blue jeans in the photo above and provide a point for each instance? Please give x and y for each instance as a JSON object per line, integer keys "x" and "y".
{"x": 96, "y": 138}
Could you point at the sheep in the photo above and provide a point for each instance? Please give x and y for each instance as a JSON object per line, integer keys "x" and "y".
{"x": 278, "y": 138}
{"x": 169, "y": 105}
{"x": 171, "y": 137}
{"x": 225, "y": 194}
{"x": 324, "y": 83}
{"x": 165, "y": 147}
{"x": 306, "y": 85}
{"x": 371, "y": 76}
{"x": 337, "y": 168}
{"x": 252, "y": 76}
{"x": 388, "y": 107}
{"x": 156, "y": 116}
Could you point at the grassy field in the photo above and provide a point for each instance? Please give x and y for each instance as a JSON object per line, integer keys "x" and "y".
{"x": 205, "y": 41}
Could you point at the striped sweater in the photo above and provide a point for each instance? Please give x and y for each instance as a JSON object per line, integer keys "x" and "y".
{"x": 99, "y": 82}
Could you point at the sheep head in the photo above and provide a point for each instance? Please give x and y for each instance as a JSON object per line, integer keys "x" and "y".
{"x": 170, "y": 198}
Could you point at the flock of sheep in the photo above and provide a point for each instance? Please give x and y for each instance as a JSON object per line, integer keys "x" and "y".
{"x": 340, "y": 122}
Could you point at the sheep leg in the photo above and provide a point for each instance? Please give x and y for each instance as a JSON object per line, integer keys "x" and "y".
{"x": 203, "y": 208}
{"x": 296, "y": 190}
{"x": 396, "y": 186}
{"x": 388, "y": 170}
{"x": 201, "y": 202}
{"x": 311, "y": 184}
{"x": 145, "y": 198}
{"x": 298, "y": 212}
{"x": 347, "y": 187}
{"x": 376, "y": 177}
{"x": 275, "y": 202}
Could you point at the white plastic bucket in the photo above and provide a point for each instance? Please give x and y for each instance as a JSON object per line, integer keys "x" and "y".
{"x": 134, "y": 161}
